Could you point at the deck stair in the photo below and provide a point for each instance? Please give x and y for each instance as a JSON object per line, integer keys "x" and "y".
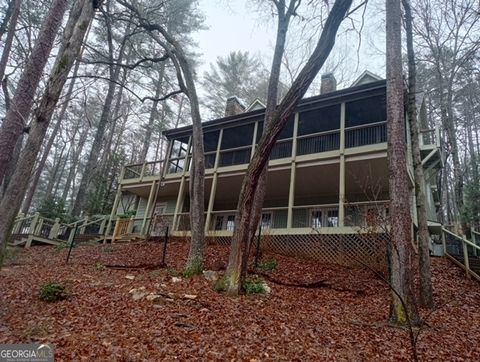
{"x": 463, "y": 252}
{"x": 35, "y": 229}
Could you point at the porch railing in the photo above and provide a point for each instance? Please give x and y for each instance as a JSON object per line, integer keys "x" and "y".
{"x": 141, "y": 170}
{"x": 463, "y": 252}
{"x": 366, "y": 134}
{"x": 37, "y": 226}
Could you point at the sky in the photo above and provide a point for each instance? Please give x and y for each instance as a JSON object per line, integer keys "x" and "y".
{"x": 235, "y": 25}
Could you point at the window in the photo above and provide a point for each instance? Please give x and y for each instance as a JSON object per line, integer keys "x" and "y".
{"x": 319, "y": 120}
{"x": 366, "y": 110}
{"x": 332, "y": 218}
{"x": 266, "y": 221}
{"x": 210, "y": 141}
{"x": 287, "y": 132}
{"x": 230, "y": 222}
{"x": 219, "y": 222}
{"x": 237, "y": 136}
{"x": 316, "y": 219}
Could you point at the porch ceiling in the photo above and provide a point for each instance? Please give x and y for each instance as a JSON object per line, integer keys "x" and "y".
{"x": 367, "y": 177}
{"x": 321, "y": 180}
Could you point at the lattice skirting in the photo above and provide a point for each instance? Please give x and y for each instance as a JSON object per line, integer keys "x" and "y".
{"x": 357, "y": 250}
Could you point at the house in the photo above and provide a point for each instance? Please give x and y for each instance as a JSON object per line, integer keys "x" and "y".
{"x": 327, "y": 192}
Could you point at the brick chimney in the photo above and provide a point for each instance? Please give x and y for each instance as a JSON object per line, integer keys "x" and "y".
{"x": 329, "y": 83}
{"x": 233, "y": 107}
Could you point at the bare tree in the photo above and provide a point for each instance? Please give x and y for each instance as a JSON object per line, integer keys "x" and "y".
{"x": 20, "y": 108}
{"x": 80, "y": 17}
{"x": 243, "y": 219}
{"x": 400, "y": 253}
{"x": 186, "y": 82}
{"x": 426, "y": 297}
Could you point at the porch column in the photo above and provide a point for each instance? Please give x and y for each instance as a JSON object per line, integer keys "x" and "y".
{"x": 180, "y": 198}
{"x": 181, "y": 191}
{"x": 254, "y": 141}
{"x": 291, "y": 192}
{"x": 115, "y": 203}
{"x": 341, "y": 186}
{"x": 213, "y": 189}
{"x": 147, "y": 209}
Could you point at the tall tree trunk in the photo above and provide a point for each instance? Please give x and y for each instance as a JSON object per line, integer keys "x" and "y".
{"x": 92, "y": 163}
{"x": 278, "y": 121}
{"x": 426, "y": 296}
{"x": 153, "y": 115}
{"x": 53, "y": 137}
{"x": 10, "y": 35}
{"x": 19, "y": 111}
{"x": 54, "y": 174}
{"x": 186, "y": 81}
{"x": 74, "y": 163}
{"x": 80, "y": 17}
{"x": 400, "y": 252}
{"x": 284, "y": 15}
{"x": 8, "y": 15}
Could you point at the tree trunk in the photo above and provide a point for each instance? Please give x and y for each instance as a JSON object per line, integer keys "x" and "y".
{"x": 53, "y": 137}
{"x": 153, "y": 115}
{"x": 92, "y": 163}
{"x": 19, "y": 111}
{"x": 10, "y": 35}
{"x": 426, "y": 296}
{"x": 8, "y": 16}
{"x": 80, "y": 17}
{"x": 284, "y": 16}
{"x": 74, "y": 164}
{"x": 403, "y": 310}
{"x": 279, "y": 119}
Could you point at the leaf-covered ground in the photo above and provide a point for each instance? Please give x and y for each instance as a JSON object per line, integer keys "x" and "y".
{"x": 341, "y": 319}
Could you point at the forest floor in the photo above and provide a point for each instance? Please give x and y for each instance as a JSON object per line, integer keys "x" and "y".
{"x": 109, "y": 314}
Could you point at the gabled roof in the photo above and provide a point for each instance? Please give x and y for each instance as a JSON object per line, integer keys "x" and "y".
{"x": 255, "y": 105}
{"x": 366, "y": 77}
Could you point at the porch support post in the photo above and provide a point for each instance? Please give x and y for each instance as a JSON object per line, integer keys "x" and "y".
{"x": 211, "y": 201}
{"x": 341, "y": 186}
{"x": 115, "y": 203}
{"x": 291, "y": 197}
{"x": 180, "y": 197}
{"x": 254, "y": 141}
{"x": 291, "y": 191}
{"x": 213, "y": 189}
{"x": 147, "y": 209}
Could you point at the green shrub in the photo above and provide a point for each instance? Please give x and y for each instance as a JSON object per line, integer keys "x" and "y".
{"x": 268, "y": 265}
{"x": 100, "y": 267}
{"x": 254, "y": 286}
{"x": 53, "y": 291}
{"x": 192, "y": 270}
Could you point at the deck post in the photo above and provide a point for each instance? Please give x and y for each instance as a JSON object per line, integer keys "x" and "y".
{"x": 293, "y": 168}
{"x": 465, "y": 259}
{"x": 211, "y": 201}
{"x": 142, "y": 172}
{"x": 213, "y": 188}
{"x": 131, "y": 223}
{"x": 34, "y": 223}
{"x": 102, "y": 225}
{"x": 341, "y": 186}
{"x": 85, "y": 221}
{"x": 18, "y": 223}
{"x": 54, "y": 230}
{"x": 115, "y": 204}
{"x": 147, "y": 209}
